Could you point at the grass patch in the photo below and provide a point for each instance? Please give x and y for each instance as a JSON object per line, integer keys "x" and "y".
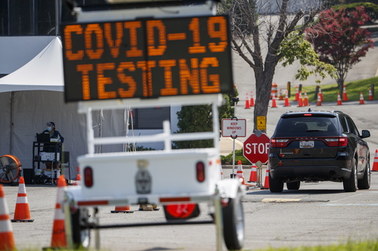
{"x": 227, "y": 159}
{"x": 349, "y": 246}
{"x": 353, "y": 89}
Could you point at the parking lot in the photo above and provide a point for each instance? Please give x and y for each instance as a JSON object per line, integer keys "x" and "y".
{"x": 317, "y": 214}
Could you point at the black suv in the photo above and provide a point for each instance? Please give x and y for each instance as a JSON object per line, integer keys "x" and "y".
{"x": 318, "y": 146}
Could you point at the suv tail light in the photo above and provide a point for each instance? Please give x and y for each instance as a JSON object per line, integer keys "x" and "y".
{"x": 337, "y": 141}
{"x": 274, "y": 142}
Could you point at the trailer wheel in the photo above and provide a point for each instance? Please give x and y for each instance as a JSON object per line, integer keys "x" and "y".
{"x": 80, "y": 230}
{"x": 233, "y": 223}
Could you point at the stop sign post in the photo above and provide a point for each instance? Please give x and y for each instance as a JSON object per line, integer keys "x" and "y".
{"x": 256, "y": 147}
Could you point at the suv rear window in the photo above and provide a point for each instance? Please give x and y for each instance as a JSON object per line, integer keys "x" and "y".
{"x": 306, "y": 126}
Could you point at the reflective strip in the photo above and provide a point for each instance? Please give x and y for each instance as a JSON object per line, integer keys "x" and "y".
{"x": 6, "y": 228}
{"x": 4, "y": 217}
{"x": 21, "y": 189}
{"x": 60, "y": 197}
{"x": 59, "y": 214}
{"x": 175, "y": 199}
{"x": 22, "y": 200}
{"x": 4, "y": 208}
{"x": 92, "y": 202}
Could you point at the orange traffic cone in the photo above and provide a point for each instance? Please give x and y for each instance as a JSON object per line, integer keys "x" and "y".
{"x": 300, "y": 100}
{"x": 240, "y": 172}
{"x": 253, "y": 174}
{"x": 371, "y": 97}
{"x": 319, "y": 100}
{"x": 321, "y": 95}
{"x": 287, "y": 101}
{"x": 339, "y": 102}
{"x": 122, "y": 209}
{"x": 58, "y": 239}
{"x": 7, "y": 242}
{"x": 266, "y": 180}
{"x": 22, "y": 211}
{"x": 274, "y": 102}
{"x": 297, "y": 94}
{"x": 345, "y": 95}
{"x": 375, "y": 163}
{"x": 251, "y": 102}
{"x": 362, "y": 100}
{"x": 77, "y": 180}
{"x": 246, "y": 106}
{"x": 305, "y": 100}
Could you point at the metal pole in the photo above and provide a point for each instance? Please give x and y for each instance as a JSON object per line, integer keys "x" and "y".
{"x": 67, "y": 220}
{"x": 11, "y": 124}
{"x": 233, "y": 152}
{"x": 218, "y": 220}
{"x": 233, "y": 157}
{"x": 259, "y": 168}
{"x": 216, "y": 124}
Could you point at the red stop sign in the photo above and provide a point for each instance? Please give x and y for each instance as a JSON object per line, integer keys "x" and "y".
{"x": 255, "y": 148}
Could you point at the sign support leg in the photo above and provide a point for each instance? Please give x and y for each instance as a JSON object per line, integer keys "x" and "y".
{"x": 233, "y": 157}
{"x": 259, "y": 168}
{"x": 218, "y": 220}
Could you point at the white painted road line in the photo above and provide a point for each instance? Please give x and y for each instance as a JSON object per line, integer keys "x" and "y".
{"x": 353, "y": 205}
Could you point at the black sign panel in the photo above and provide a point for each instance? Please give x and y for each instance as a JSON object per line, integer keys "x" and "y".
{"x": 147, "y": 58}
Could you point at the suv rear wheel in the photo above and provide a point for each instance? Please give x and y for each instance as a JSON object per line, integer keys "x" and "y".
{"x": 293, "y": 185}
{"x": 364, "y": 183}
{"x": 275, "y": 185}
{"x": 350, "y": 183}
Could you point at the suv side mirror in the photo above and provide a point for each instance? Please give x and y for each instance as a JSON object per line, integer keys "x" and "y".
{"x": 365, "y": 134}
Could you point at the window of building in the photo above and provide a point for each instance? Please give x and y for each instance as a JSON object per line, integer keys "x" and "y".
{"x": 45, "y": 17}
{"x": 21, "y": 19}
{"x": 28, "y": 17}
{"x": 4, "y": 17}
{"x": 151, "y": 118}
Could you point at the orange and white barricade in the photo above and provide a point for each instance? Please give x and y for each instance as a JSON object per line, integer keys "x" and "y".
{"x": 7, "y": 242}
{"x": 22, "y": 210}
{"x": 375, "y": 162}
{"x": 58, "y": 238}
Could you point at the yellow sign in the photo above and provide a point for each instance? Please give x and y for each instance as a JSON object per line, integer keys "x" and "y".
{"x": 261, "y": 123}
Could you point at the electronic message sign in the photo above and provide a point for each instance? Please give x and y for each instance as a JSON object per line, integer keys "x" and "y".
{"x": 147, "y": 58}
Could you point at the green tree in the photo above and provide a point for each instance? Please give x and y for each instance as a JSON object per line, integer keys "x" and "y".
{"x": 296, "y": 48}
{"x": 199, "y": 118}
{"x": 257, "y": 39}
{"x": 339, "y": 39}
{"x": 370, "y": 7}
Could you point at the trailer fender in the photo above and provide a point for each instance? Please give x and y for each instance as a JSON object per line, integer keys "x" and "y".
{"x": 229, "y": 188}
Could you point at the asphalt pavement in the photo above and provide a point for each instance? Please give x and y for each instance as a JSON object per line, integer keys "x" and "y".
{"x": 365, "y": 116}
{"x": 318, "y": 214}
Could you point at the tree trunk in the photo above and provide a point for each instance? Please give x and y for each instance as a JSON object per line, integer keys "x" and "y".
{"x": 263, "y": 80}
{"x": 340, "y": 85}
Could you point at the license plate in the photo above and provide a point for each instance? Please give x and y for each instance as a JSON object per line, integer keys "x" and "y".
{"x": 306, "y": 144}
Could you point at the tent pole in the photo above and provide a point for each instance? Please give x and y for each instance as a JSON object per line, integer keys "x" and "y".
{"x": 11, "y": 123}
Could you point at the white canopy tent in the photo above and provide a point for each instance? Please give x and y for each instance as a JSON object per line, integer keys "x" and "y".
{"x": 30, "y": 97}
{"x": 33, "y": 95}
{"x": 43, "y": 72}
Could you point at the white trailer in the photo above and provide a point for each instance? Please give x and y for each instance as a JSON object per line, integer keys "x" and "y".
{"x": 96, "y": 77}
